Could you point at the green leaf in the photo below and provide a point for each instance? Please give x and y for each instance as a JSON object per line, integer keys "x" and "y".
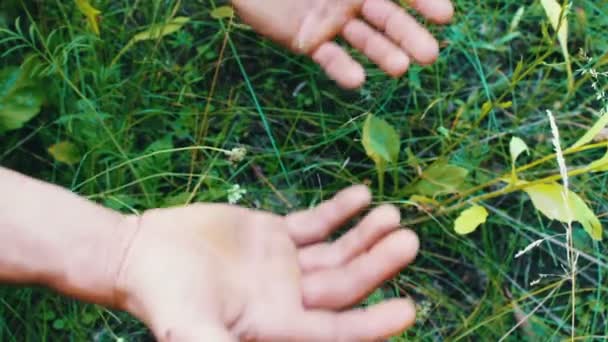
{"x": 559, "y": 20}
{"x": 382, "y": 145}
{"x": 59, "y": 324}
{"x": 517, "y": 146}
{"x": 599, "y": 125}
{"x": 548, "y": 199}
{"x": 517, "y": 18}
{"x": 65, "y": 152}
{"x": 21, "y": 98}
{"x": 470, "y": 219}
{"x": 222, "y": 12}
{"x": 380, "y": 140}
{"x": 158, "y": 31}
{"x": 91, "y": 13}
{"x": 440, "y": 178}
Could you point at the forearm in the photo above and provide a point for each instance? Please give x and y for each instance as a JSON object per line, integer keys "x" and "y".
{"x": 50, "y": 236}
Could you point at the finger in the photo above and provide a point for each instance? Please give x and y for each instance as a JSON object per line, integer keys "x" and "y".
{"x": 375, "y": 323}
{"x": 324, "y": 22}
{"x": 403, "y": 29}
{"x": 315, "y": 225}
{"x": 438, "y": 11}
{"x": 376, "y": 47}
{"x": 380, "y": 222}
{"x": 339, "y": 65}
{"x": 345, "y": 286}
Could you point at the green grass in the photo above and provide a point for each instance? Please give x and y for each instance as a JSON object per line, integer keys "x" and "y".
{"x": 137, "y": 125}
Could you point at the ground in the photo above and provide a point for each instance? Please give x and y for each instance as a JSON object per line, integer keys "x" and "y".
{"x": 154, "y": 128}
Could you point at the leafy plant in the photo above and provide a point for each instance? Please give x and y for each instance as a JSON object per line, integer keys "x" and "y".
{"x": 382, "y": 145}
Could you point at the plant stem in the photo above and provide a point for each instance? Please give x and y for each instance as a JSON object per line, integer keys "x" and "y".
{"x": 395, "y": 180}
{"x": 381, "y": 182}
{"x": 504, "y": 191}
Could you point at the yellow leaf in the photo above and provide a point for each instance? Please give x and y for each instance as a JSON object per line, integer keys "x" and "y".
{"x": 157, "y": 31}
{"x": 599, "y": 125}
{"x": 486, "y": 108}
{"x": 222, "y": 12}
{"x": 65, "y": 152}
{"x": 548, "y": 199}
{"x": 91, "y": 13}
{"x": 470, "y": 219}
{"x": 559, "y": 20}
{"x": 517, "y": 146}
{"x": 600, "y": 165}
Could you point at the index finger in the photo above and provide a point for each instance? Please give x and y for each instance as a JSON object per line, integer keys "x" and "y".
{"x": 314, "y": 225}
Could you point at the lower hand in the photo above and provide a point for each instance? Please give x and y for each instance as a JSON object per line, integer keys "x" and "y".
{"x": 211, "y": 272}
{"x": 381, "y": 29}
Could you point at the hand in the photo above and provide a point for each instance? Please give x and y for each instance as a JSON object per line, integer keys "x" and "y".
{"x": 211, "y": 272}
{"x": 386, "y": 34}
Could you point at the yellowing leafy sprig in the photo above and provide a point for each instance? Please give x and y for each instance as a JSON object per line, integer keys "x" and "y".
{"x": 91, "y": 13}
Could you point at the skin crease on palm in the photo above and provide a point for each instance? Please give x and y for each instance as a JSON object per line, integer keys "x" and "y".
{"x": 380, "y": 29}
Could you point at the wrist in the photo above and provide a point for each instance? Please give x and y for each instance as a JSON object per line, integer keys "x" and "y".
{"x": 89, "y": 268}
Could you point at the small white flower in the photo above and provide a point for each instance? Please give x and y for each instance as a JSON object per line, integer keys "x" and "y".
{"x": 235, "y": 194}
{"x": 236, "y": 155}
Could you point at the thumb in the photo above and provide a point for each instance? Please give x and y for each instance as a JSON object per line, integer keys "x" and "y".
{"x": 324, "y": 22}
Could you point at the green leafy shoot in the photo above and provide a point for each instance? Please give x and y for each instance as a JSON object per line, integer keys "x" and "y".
{"x": 516, "y": 147}
{"x": 438, "y": 179}
{"x": 382, "y": 145}
{"x": 548, "y": 199}
{"x": 65, "y": 152}
{"x": 470, "y": 219}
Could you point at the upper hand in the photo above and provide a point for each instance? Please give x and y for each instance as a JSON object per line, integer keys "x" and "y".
{"x": 381, "y": 29}
{"x": 224, "y": 273}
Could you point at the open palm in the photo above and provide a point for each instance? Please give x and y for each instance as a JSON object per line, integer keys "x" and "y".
{"x": 221, "y": 273}
{"x": 380, "y": 29}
